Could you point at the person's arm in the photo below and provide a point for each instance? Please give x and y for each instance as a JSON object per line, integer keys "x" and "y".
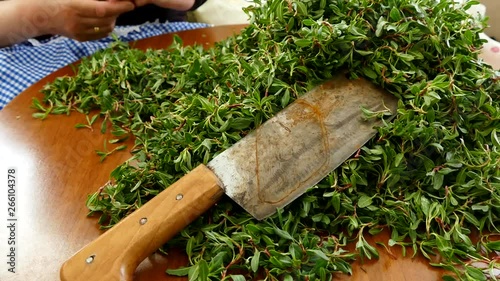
{"x": 82, "y": 20}
{"x": 15, "y": 25}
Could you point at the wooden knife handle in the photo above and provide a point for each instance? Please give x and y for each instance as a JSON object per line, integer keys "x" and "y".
{"x": 116, "y": 254}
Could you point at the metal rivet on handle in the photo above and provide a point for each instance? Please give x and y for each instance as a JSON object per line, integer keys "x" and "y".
{"x": 143, "y": 221}
{"x": 179, "y": 196}
{"x": 90, "y": 259}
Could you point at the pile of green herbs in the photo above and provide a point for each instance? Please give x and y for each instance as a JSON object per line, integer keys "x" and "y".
{"x": 431, "y": 176}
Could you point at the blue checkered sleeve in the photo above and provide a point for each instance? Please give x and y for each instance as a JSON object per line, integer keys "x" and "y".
{"x": 24, "y": 64}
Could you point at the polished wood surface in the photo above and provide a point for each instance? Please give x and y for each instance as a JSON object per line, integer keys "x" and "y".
{"x": 57, "y": 168}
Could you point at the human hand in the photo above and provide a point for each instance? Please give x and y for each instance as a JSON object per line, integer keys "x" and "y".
{"x": 86, "y": 20}
{"x": 180, "y": 5}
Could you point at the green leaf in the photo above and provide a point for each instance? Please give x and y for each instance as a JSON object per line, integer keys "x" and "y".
{"x": 380, "y": 26}
{"x": 475, "y": 273}
{"x": 471, "y": 219}
{"x": 194, "y": 272}
{"x": 303, "y": 43}
{"x": 438, "y": 180}
{"x": 238, "y": 277}
{"x": 494, "y": 138}
{"x": 121, "y": 147}
{"x": 295, "y": 251}
{"x": 203, "y": 270}
{"x": 79, "y": 126}
{"x": 254, "y": 264}
{"x": 395, "y": 14}
{"x": 364, "y": 53}
{"x": 364, "y": 201}
{"x": 483, "y": 208}
{"x": 308, "y": 22}
{"x": 92, "y": 120}
{"x": 283, "y": 234}
{"x": 301, "y": 8}
{"x": 183, "y": 271}
{"x": 103, "y": 126}
{"x": 137, "y": 185}
{"x": 493, "y": 245}
{"x": 369, "y": 73}
{"x": 336, "y": 202}
{"x": 319, "y": 254}
{"x": 398, "y": 159}
{"x": 406, "y": 57}
{"x": 37, "y": 105}
{"x": 39, "y": 115}
{"x": 425, "y": 205}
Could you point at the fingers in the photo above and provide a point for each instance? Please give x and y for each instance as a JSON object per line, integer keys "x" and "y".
{"x": 90, "y": 23}
{"x": 86, "y": 29}
{"x": 94, "y": 19}
{"x": 103, "y": 9}
{"x": 140, "y": 3}
{"x": 93, "y": 32}
{"x": 87, "y": 20}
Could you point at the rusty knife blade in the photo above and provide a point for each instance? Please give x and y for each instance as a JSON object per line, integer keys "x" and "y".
{"x": 300, "y": 145}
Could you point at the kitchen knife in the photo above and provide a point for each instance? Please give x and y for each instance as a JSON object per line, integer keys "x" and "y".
{"x": 266, "y": 170}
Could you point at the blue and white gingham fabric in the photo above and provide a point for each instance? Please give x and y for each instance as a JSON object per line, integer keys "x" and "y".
{"x": 24, "y": 64}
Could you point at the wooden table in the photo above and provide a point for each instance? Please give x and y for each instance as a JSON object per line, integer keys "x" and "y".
{"x": 56, "y": 168}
